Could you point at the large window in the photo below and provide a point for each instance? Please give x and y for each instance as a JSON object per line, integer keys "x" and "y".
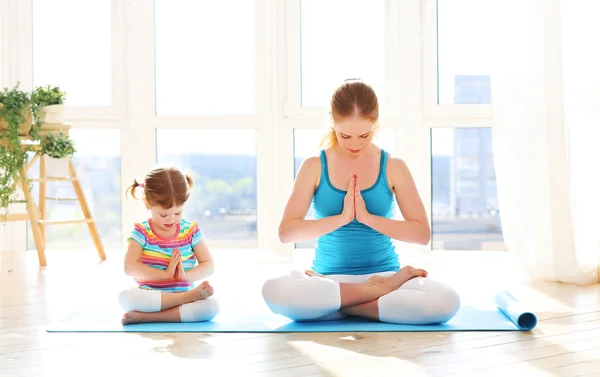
{"x": 465, "y": 212}
{"x": 341, "y": 39}
{"x": 72, "y": 49}
{"x": 98, "y": 166}
{"x": 222, "y": 164}
{"x": 464, "y": 204}
{"x": 208, "y": 82}
{"x": 463, "y": 40}
{"x": 205, "y": 57}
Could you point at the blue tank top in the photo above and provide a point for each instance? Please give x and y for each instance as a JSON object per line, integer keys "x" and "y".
{"x": 354, "y": 249}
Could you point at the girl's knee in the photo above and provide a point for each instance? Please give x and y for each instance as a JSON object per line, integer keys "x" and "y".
{"x": 140, "y": 300}
{"x": 200, "y": 311}
{"x": 127, "y": 299}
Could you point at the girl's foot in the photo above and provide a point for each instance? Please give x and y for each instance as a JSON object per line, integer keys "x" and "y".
{"x": 132, "y": 317}
{"x": 203, "y": 291}
{"x": 391, "y": 283}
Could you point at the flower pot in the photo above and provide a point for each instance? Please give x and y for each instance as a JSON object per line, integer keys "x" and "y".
{"x": 53, "y": 114}
{"x": 24, "y": 128}
{"x": 56, "y": 167}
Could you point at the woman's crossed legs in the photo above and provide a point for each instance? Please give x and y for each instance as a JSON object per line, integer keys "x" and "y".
{"x": 406, "y": 297}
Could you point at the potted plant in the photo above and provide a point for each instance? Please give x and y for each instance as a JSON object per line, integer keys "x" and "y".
{"x": 56, "y": 150}
{"x": 50, "y": 102}
{"x": 16, "y": 111}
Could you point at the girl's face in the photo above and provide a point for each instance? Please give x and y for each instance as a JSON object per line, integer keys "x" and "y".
{"x": 354, "y": 134}
{"x": 166, "y": 219}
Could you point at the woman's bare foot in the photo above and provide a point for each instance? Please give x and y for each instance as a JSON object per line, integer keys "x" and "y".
{"x": 391, "y": 283}
{"x": 311, "y": 273}
{"x": 203, "y": 291}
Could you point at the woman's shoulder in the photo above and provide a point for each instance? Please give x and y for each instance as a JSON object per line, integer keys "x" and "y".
{"x": 309, "y": 171}
{"x": 311, "y": 163}
{"x": 393, "y": 159}
{"x": 397, "y": 166}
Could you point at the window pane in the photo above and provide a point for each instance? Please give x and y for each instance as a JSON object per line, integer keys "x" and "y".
{"x": 223, "y": 166}
{"x": 463, "y": 42}
{"x": 205, "y": 57}
{"x": 72, "y": 49}
{"x": 465, "y": 212}
{"x": 341, "y": 39}
{"x": 98, "y": 165}
{"x": 306, "y": 144}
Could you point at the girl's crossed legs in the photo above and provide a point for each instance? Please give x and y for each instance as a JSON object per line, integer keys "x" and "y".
{"x": 143, "y": 305}
{"x": 405, "y": 297}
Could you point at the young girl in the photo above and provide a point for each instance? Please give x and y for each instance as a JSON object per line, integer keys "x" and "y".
{"x": 166, "y": 254}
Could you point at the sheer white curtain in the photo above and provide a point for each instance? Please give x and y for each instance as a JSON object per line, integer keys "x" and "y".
{"x": 546, "y": 135}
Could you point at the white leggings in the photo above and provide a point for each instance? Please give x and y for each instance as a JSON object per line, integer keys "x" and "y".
{"x": 419, "y": 301}
{"x": 148, "y": 301}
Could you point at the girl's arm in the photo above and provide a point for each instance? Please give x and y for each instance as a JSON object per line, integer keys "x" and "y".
{"x": 415, "y": 226}
{"x": 294, "y": 227}
{"x": 205, "y": 266}
{"x": 136, "y": 269}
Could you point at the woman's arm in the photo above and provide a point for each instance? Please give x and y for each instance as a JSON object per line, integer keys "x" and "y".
{"x": 294, "y": 227}
{"x": 136, "y": 269}
{"x": 415, "y": 226}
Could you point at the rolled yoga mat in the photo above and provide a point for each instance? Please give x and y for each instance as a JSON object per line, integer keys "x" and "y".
{"x": 509, "y": 315}
{"x": 518, "y": 313}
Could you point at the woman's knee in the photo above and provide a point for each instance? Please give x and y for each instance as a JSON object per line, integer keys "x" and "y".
{"x": 282, "y": 289}
{"x": 272, "y": 291}
{"x": 447, "y": 301}
{"x": 420, "y": 301}
{"x": 443, "y": 301}
{"x": 300, "y": 297}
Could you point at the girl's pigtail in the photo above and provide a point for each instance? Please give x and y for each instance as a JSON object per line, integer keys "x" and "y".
{"x": 131, "y": 189}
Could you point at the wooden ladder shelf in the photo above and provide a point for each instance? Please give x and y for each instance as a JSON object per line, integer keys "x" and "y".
{"x": 36, "y": 214}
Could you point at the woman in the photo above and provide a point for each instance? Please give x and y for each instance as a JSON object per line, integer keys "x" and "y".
{"x": 356, "y": 269}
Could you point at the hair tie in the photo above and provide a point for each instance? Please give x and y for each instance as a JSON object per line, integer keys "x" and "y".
{"x": 142, "y": 185}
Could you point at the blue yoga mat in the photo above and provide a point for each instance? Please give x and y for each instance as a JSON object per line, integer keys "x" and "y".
{"x": 508, "y": 315}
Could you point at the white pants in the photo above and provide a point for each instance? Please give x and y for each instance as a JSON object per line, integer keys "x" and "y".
{"x": 149, "y": 301}
{"x": 419, "y": 301}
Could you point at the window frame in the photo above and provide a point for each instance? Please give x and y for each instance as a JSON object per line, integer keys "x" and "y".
{"x": 411, "y": 98}
{"x": 144, "y": 119}
{"x": 432, "y": 110}
{"x": 437, "y": 115}
{"x": 113, "y": 112}
{"x": 294, "y": 110}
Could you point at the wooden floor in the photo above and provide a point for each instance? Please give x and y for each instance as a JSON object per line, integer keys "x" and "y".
{"x": 566, "y": 341}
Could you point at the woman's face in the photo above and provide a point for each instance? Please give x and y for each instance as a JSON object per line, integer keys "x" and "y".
{"x": 354, "y": 134}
